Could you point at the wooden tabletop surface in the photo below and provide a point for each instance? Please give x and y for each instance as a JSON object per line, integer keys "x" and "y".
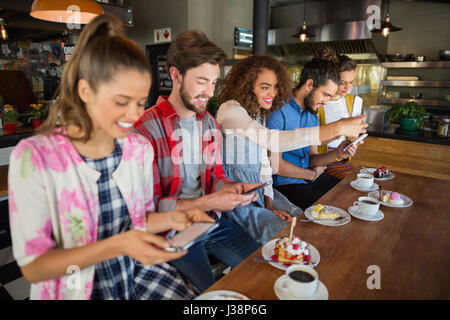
{"x": 4, "y": 181}
{"x": 410, "y": 246}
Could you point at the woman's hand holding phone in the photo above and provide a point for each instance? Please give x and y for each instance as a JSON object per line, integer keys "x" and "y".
{"x": 146, "y": 248}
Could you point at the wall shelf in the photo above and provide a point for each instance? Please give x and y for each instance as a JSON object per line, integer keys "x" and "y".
{"x": 411, "y": 64}
{"x": 430, "y": 84}
{"x": 424, "y": 102}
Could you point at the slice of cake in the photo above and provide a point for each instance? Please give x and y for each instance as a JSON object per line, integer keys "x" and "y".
{"x": 323, "y": 212}
{"x": 381, "y": 172}
{"x": 295, "y": 250}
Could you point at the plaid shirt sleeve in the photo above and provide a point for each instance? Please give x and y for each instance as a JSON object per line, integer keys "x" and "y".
{"x": 162, "y": 203}
{"x": 217, "y": 176}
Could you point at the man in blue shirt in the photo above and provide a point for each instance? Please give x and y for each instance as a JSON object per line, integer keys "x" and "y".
{"x": 300, "y": 172}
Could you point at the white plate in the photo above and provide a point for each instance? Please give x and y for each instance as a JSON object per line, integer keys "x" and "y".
{"x": 355, "y": 212}
{"x": 407, "y": 202}
{"x": 268, "y": 250}
{"x": 390, "y": 176}
{"x": 320, "y": 294}
{"x": 222, "y": 295}
{"x": 347, "y": 217}
{"x": 374, "y": 187}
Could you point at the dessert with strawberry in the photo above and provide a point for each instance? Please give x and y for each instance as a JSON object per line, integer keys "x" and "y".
{"x": 295, "y": 250}
{"x": 381, "y": 172}
{"x": 392, "y": 197}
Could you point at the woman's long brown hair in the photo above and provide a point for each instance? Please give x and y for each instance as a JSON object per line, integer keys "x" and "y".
{"x": 101, "y": 50}
{"x": 240, "y": 81}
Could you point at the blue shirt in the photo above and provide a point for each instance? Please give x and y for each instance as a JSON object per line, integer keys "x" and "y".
{"x": 291, "y": 117}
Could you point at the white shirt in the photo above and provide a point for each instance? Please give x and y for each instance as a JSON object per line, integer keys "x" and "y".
{"x": 336, "y": 110}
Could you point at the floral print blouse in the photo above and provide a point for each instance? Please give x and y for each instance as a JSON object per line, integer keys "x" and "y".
{"x": 53, "y": 203}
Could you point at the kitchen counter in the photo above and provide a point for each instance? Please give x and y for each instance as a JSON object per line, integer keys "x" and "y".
{"x": 10, "y": 140}
{"x": 426, "y": 137}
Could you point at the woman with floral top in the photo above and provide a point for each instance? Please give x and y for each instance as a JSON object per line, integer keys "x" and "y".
{"x": 80, "y": 190}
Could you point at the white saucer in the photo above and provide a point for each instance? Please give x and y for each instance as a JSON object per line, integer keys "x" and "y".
{"x": 268, "y": 251}
{"x": 355, "y": 212}
{"x": 320, "y": 294}
{"x": 390, "y": 176}
{"x": 222, "y": 295}
{"x": 374, "y": 187}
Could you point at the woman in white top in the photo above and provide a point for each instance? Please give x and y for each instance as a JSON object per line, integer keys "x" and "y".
{"x": 342, "y": 105}
{"x": 254, "y": 87}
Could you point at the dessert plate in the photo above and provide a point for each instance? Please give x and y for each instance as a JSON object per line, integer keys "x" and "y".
{"x": 268, "y": 250}
{"x": 283, "y": 294}
{"x": 390, "y": 176}
{"x": 355, "y": 213}
{"x": 343, "y": 213}
{"x": 222, "y": 295}
{"x": 374, "y": 187}
{"x": 407, "y": 202}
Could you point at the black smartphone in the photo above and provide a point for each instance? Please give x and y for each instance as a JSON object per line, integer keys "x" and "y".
{"x": 186, "y": 238}
{"x": 258, "y": 187}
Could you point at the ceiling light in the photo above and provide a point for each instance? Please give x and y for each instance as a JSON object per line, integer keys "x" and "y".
{"x": 3, "y": 30}
{"x": 387, "y": 27}
{"x": 304, "y": 34}
{"x": 66, "y": 11}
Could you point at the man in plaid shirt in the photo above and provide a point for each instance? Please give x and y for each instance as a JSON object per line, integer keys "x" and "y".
{"x": 188, "y": 171}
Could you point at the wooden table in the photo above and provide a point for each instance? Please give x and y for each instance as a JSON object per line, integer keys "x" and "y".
{"x": 4, "y": 181}
{"x": 410, "y": 245}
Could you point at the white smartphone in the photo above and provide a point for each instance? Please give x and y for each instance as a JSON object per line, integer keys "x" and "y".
{"x": 186, "y": 238}
{"x": 357, "y": 140}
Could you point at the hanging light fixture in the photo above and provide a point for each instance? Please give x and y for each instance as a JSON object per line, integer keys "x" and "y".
{"x": 387, "y": 27}
{"x": 66, "y": 11}
{"x": 304, "y": 34}
{"x": 3, "y": 30}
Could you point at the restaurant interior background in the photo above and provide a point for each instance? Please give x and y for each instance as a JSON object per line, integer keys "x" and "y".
{"x": 40, "y": 48}
{"x": 33, "y": 56}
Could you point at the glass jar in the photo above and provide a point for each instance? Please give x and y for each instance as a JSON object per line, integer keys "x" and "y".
{"x": 442, "y": 129}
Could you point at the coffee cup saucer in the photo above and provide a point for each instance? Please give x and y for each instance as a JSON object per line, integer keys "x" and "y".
{"x": 355, "y": 213}
{"x": 374, "y": 187}
{"x": 321, "y": 292}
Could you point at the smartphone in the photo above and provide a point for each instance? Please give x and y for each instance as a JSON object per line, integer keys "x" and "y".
{"x": 186, "y": 238}
{"x": 258, "y": 187}
{"x": 360, "y": 138}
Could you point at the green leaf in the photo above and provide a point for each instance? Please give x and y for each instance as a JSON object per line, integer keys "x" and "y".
{"x": 26, "y": 165}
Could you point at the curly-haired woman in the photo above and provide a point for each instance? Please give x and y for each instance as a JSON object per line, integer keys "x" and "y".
{"x": 252, "y": 89}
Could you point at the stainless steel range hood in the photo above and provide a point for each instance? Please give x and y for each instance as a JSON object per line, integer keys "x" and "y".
{"x": 339, "y": 24}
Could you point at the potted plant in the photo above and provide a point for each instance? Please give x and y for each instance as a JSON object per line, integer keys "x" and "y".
{"x": 37, "y": 114}
{"x": 213, "y": 105}
{"x": 410, "y": 115}
{"x": 10, "y": 116}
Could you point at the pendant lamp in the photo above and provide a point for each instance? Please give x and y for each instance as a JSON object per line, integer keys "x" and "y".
{"x": 386, "y": 27}
{"x": 304, "y": 34}
{"x": 66, "y": 11}
{"x": 3, "y": 30}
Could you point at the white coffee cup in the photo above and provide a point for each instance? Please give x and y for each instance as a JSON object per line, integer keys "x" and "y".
{"x": 367, "y": 206}
{"x": 299, "y": 288}
{"x": 364, "y": 180}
